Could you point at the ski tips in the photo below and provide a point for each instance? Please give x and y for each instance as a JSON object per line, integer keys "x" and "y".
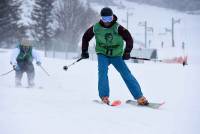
{"x": 162, "y": 103}
{"x": 113, "y": 103}
{"x": 116, "y": 103}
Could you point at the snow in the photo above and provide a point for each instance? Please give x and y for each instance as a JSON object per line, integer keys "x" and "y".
{"x": 62, "y": 102}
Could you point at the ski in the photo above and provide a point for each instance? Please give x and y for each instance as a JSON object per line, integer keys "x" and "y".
{"x": 150, "y": 105}
{"x": 113, "y": 103}
{"x": 29, "y": 87}
{"x": 40, "y": 87}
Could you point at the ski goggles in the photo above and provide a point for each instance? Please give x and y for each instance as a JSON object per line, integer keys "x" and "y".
{"x": 107, "y": 18}
{"x": 25, "y": 48}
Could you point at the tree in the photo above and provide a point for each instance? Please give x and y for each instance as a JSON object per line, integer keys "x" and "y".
{"x": 42, "y": 20}
{"x": 73, "y": 18}
{"x": 9, "y": 20}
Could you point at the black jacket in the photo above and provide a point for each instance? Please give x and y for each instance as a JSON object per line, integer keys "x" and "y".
{"x": 89, "y": 34}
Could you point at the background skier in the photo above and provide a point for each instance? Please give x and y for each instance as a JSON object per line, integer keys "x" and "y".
{"x": 110, "y": 37}
{"x": 21, "y": 60}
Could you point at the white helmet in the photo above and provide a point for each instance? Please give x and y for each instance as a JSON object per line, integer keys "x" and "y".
{"x": 25, "y": 42}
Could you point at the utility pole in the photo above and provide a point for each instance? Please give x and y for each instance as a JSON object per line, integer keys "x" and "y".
{"x": 172, "y": 29}
{"x": 173, "y": 44}
{"x": 146, "y": 29}
{"x": 127, "y": 18}
{"x": 128, "y": 14}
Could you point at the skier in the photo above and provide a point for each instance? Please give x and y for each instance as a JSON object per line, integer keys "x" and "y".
{"x": 109, "y": 36}
{"x": 21, "y": 60}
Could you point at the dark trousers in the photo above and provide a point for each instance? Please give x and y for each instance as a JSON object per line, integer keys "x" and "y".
{"x": 28, "y": 68}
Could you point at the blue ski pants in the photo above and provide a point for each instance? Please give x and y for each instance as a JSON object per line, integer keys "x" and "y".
{"x": 121, "y": 67}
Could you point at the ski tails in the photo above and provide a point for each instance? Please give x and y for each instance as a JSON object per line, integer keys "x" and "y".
{"x": 153, "y": 105}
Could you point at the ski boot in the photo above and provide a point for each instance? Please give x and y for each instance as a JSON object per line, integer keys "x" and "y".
{"x": 18, "y": 82}
{"x": 31, "y": 84}
{"x": 105, "y": 100}
{"x": 18, "y": 85}
{"x": 142, "y": 101}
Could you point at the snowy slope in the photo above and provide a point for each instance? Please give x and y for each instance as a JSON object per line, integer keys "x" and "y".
{"x": 186, "y": 31}
{"x": 64, "y": 104}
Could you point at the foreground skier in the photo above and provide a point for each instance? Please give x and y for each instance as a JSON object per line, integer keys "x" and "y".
{"x": 21, "y": 60}
{"x": 109, "y": 37}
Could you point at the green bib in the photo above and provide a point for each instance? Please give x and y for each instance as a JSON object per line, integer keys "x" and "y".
{"x": 108, "y": 41}
{"x": 25, "y": 57}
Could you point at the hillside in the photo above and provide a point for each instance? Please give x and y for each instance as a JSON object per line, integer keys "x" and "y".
{"x": 181, "y": 5}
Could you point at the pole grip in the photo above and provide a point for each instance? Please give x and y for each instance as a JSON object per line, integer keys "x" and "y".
{"x": 138, "y": 58}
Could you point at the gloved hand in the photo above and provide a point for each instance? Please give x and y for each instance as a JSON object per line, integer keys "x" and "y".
{"x": 85, "y": 55}
{"x": 38, "y": 63}
{"x": 16, "y": 67}
{"x": 126, "y": 56}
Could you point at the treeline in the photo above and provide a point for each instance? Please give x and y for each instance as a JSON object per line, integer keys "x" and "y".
{"x": 181, "y": 5}
{"x": 55, "y": 23}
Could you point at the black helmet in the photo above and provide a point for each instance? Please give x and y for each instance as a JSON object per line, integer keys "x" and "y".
{"x": 106, "y": 11}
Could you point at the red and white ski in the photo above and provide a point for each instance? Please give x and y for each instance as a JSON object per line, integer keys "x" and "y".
{"x": 113, "y": 103}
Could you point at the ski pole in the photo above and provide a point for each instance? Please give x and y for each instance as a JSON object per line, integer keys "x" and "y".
{"x": 44, "y": 70}
{"x": 138, "y": 58}
{"x": 7, "y": 72}
{"x": 156, "y": 60}
{"x": 66, "y": 67}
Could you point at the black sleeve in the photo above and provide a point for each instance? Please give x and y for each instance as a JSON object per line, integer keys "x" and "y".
{"x": 88, "y": 35}
{"x": 127, "y": 38}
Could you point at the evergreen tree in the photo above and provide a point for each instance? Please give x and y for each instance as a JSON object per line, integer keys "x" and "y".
{"x": 42, "y": 20}
{"x": 9, "y": 18}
